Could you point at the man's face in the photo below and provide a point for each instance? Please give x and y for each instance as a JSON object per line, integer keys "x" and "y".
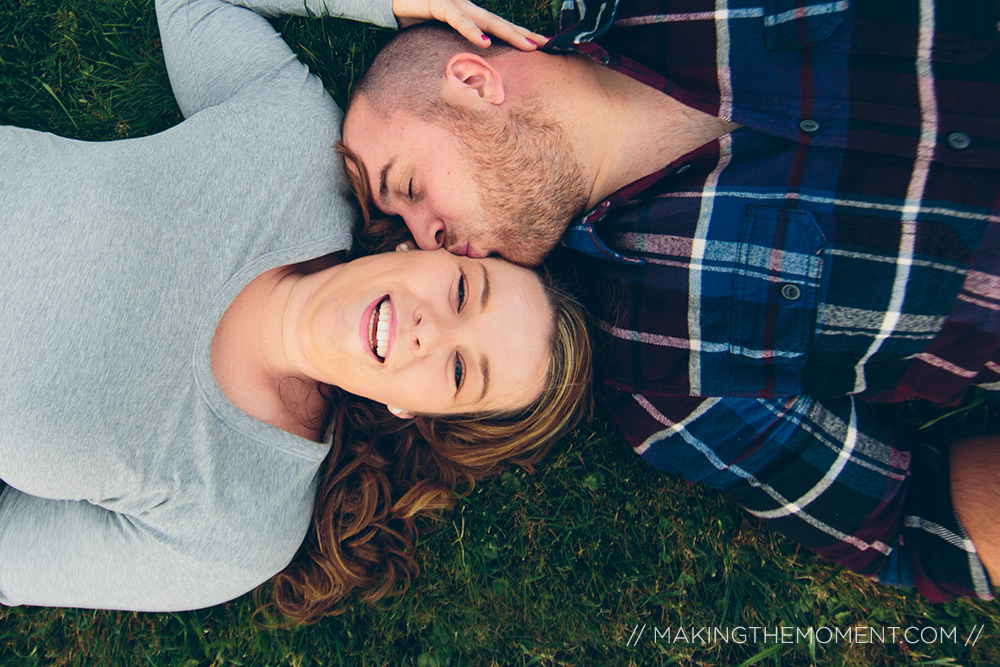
{"x": 473, "y": 184}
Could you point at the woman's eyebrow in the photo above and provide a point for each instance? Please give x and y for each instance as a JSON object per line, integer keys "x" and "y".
{"x": 484, "y": 368}
{"x": 484, "y": 362}
{"x": 486, "y": 288}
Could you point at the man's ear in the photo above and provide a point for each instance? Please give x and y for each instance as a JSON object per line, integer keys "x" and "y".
{"x": 471, "y": 81}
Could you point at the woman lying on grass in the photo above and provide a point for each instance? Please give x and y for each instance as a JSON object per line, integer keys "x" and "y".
{"x": 175, "y": 361}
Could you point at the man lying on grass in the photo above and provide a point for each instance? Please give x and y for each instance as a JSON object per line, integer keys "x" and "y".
{"x": 782, "y": 215}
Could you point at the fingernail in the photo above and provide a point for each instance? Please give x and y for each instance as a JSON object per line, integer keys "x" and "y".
{"x": 531, "y": 41}
{"x": 485, "y": 38}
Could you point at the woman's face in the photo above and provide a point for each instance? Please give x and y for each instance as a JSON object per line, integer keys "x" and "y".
{"x": 429, "y": 332}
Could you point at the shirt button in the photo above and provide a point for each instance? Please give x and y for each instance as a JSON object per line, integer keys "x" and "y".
{"x": 809, "y": 125}
{"x": 790, "y": 292}
{"x": 959, "y": 141}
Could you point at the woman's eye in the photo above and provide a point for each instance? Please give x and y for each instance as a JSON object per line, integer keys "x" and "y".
{"x": 462, "y": 284}
{"x": 459, "y": 373}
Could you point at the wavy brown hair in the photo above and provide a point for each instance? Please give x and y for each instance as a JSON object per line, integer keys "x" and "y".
{"x": 383, "y": 473}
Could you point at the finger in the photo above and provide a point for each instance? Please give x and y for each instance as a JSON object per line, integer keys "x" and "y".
{"x": 468, "y": 28}
{"x": 515, "y": 35}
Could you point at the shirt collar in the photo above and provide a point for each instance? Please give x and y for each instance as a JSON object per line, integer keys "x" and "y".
{"x": 580, "y": 23}
{"x": 582, "y": 236}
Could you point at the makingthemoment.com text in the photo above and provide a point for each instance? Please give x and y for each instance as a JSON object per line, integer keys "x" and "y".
{"x": 859, "y": 634}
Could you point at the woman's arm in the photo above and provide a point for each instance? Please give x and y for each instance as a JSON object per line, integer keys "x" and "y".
{"x": 216, "y": 50}
{"x": 472, "y": 21}
{"x": 469, "y": 19}
{"x": 64, "y": 553}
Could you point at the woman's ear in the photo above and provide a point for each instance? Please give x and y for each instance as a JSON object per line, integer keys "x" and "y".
{"x": 402, "y": 414}
{"x": 471, "y": 81}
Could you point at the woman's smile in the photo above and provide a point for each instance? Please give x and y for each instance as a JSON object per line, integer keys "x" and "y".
{"x": 442, "y": 339}
{"x": 378, "y": 327}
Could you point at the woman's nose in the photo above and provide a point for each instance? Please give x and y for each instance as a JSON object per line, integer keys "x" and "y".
{"x": 431, "y": 331}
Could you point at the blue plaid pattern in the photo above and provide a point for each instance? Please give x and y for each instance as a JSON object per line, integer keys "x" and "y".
{"x": 839, "y": 249}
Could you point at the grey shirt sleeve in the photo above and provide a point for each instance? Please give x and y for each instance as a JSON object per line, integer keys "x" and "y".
{"x": 94, "y": 557}
{"x": 216, "y": 50}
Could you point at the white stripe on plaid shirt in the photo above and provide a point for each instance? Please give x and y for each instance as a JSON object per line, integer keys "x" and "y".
{"x": 786, "y": 507}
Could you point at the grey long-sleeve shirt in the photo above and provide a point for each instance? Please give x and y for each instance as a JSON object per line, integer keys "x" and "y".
{"x": 133, "y": 483}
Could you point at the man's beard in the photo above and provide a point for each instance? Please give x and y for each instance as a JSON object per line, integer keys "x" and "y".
{"x": 526, "y": 175}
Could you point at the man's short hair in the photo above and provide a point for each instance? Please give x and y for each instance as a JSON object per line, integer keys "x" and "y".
{"x": 409, "y": 70}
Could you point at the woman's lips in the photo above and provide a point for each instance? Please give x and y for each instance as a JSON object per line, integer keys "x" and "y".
{"x": 365, "y": 327}
{"x": 379, "y": 322}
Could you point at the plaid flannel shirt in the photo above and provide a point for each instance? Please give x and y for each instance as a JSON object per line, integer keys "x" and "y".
{"x": 839, "y": 249}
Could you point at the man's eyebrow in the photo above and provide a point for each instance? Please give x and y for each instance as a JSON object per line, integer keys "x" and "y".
{"x": 383, "y": 184}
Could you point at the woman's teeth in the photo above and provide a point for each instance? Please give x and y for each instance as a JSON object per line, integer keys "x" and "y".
{"x": 383, "y": 318}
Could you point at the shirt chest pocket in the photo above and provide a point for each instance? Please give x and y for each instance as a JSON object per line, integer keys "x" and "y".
{"x": 776, "y": 286}
{"x": 964, "y": 32}
{"x": 789, "y": 23}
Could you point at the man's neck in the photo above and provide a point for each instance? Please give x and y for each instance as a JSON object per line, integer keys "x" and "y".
{"x": 622, "y": 129}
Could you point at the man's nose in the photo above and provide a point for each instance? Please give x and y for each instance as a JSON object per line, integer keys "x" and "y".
{"x": 427, "y": 230}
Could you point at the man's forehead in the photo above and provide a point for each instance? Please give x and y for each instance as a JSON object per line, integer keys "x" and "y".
{"x": 367, "y": 137}
{"x": 366, "y": 121}
{"x": 361, "y": 128}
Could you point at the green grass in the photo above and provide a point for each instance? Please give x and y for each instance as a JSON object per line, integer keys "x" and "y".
{"x": 556, "y": 568}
